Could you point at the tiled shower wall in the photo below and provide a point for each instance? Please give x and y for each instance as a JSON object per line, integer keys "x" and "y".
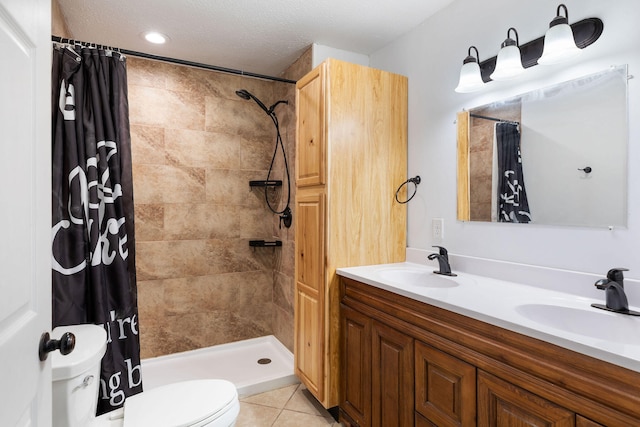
{"x": 283, "y": 277}
{"x": 196, "y": 146}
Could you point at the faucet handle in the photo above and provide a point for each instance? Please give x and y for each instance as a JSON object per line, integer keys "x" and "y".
{"x": 443, "y": 251}
{"x": 616, "y": 275}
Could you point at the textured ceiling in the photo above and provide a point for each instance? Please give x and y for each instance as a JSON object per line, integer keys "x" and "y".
{"x": 258, "y": 36}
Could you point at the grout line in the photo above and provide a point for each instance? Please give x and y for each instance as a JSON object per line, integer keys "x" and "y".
{"x": 292, "y": 394}
{"x": 276, "y": 420}
{"x": 285, "y": 405}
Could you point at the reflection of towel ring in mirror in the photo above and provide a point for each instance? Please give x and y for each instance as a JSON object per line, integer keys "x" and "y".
{"x": 415, "y": 181}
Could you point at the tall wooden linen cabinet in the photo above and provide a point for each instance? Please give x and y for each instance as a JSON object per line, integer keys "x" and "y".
{"x": 351, "y": 157}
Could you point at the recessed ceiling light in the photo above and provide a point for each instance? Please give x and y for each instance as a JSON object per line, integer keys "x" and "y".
{"x": 155, "y": 37}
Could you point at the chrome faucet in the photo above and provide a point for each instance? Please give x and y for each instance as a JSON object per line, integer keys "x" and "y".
{"x": 615, "y": 298}
{"x": 443, "y": 261}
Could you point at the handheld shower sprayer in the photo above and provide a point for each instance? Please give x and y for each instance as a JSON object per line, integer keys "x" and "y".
{"x": 286, "y": 216}
{"x": 242, "y": 93}
{"x": 245, "y": 94}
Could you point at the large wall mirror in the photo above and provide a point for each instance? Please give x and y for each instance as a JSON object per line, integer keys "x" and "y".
{"x": 555, "y": 156}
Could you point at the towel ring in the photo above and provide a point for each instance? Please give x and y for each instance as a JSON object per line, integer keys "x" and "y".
{"x": 415, "y": 180}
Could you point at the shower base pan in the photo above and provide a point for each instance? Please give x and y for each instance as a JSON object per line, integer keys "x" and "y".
{"x": 254, "y": 366}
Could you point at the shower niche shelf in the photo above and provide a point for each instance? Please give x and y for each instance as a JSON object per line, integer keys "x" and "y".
{"x": 265, "y": 243}
{"x": 266, "y": 183}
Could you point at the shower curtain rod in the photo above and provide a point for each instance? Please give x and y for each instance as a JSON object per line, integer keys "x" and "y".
{"x": 173, "y": 60}
{"x": 478, "y": 116}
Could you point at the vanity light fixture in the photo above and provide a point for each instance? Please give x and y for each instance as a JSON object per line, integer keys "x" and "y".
{"x": 559, "y": 44}
{"x": 514, "y": 57}
{"x": 470, "y": 78}
{"x": 509, "y": 62}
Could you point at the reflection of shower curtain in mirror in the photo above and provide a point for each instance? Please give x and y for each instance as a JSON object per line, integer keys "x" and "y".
{"x": 512, "y": 201}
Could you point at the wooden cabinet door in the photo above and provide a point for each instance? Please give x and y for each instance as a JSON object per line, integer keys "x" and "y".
{"x": 445, "y": 387}
{"x": 502, "y": 404}
{"x": 311, "y": 152}
{"x": 355, "y": 393}
{"x": 309, "y": 292}
{"x": 423, "y": 422}
{"x": 308, "y": 337}
{"x": 391, "y": 377}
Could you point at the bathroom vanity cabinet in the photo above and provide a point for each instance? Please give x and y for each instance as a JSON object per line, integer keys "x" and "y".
{"x": 407, "y": 363}
{"x": 351, "y": 156}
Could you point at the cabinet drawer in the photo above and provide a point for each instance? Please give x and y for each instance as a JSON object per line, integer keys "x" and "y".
{"x": 584, "y": 422}
{"x": 503, "y": 404}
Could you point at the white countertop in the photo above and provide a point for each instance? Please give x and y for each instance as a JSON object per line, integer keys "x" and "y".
{"x": 564, "y": 319}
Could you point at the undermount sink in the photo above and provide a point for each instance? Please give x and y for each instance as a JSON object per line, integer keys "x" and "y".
{"x": 417, "y": 277}
{"x": 590, "y": 322}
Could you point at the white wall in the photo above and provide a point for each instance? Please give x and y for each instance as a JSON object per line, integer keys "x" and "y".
{"x": 431, "y": 56}
{"x": 320, "y": 52}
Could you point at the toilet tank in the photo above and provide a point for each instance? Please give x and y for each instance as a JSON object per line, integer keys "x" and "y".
{"x": 76, "y": 376}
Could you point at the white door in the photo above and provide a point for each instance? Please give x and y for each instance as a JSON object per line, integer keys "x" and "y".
{"x": 25, "y": 210}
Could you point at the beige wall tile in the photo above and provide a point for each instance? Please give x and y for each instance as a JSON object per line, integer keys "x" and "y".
{"x": 145, "y": 72}
{"x": 152, "y": 312}
{"x": 256, "y": 153}
{"x": 160, "y": 107}
{"x": 235, "y": 255}
{"x": 285, "y": 258}
{"x": 242, "y": 293}
{"x": 203, "y": 149}
{"x": 218, "y": 85}
{"x": 200, "y": 221}
{"x": 255, "y": 223}
{"x": 284, "y": 263}
{"x": 231, "y": 187}
{"x": 147, "y": 145}
{"x": 195, "y": 147}
{"x": 283, "y": 293}
{"x": 238, "y": 117}
{"x": 149, "y": 222}
{"x": 283, "y": 327}
{"x": 301, "y": 66}
{"x": 154, "y": 184}
{"x": 171, "y": 259}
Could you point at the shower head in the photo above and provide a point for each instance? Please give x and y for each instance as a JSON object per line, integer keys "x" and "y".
{"x": 244, "y": 94}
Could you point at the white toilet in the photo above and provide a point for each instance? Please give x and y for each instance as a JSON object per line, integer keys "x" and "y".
{"x": 76, "y": 380}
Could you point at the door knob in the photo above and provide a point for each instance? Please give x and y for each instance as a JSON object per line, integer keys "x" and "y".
{"x": 65, "y": 344}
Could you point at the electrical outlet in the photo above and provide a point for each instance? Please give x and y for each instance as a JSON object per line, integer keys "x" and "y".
{"x": 437, "y": 229}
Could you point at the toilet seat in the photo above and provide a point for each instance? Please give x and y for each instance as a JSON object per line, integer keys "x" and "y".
{"x": 184, "y": 404}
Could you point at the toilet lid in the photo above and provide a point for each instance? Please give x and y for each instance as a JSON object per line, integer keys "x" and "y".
{"x": 183, "y": 404}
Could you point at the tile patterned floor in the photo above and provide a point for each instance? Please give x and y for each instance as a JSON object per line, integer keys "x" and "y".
{"x": 291, "y": 406}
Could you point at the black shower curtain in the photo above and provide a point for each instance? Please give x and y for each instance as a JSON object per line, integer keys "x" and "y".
{"x": 512, "y": 197}
{"x": 92, "y": 196}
